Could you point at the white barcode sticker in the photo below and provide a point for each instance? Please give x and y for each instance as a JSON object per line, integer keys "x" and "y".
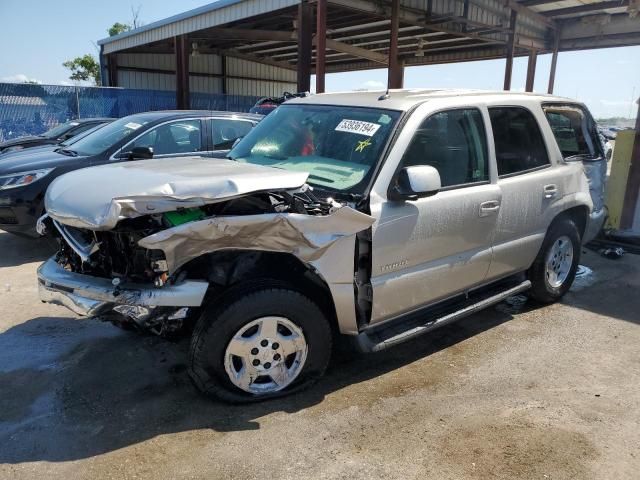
{"x": 356, "y": 126}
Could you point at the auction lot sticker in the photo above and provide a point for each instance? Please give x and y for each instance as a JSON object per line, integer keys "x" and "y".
{"x": 356, "y": 126}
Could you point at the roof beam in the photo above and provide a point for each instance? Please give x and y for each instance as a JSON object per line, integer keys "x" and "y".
{"x": 522, "y": 10}
{"x": 355, "y": 51}
{"x": 534, "y": 3}
{"x": 574, "y": 28}
{"x": 231, "y": 52}
{"x": 274, "y": 35}
{"x": 245, "y": 34}
{"x": 418, "y": 17}
{"x": 591, "y": 7}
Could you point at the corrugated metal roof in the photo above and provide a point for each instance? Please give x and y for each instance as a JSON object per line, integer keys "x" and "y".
{"x": 434, "y": 31}
{"x": 211, "y": 15}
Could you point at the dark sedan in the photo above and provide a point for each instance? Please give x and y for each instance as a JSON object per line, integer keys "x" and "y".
{"x": 24, "y": 178}
{"x": 57, "y": 134}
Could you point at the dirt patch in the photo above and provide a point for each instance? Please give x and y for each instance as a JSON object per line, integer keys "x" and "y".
{"x": 509, "y": 449}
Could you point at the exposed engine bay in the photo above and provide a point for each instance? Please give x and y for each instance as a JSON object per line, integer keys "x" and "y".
{"x": 117, "y": 253}
{"x": 121, "y": 256}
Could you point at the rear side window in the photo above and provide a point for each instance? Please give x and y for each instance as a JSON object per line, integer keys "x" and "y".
{"x": 454, "y": 142}
{"x": 519, "y": 143}
{"x": 226, "y": 131}
{"x": 575, "y": 131}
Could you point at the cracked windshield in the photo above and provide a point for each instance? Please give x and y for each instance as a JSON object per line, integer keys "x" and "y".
{"x": 338, "y": 146}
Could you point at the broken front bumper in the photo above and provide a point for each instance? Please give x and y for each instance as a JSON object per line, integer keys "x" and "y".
{"x": 89, "y": 296}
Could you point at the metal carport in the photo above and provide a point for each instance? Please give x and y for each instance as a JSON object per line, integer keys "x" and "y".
{"x": 265, "y": 47}
{"x": 260, "y": 47}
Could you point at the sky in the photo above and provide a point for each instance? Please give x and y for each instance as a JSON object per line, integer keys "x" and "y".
{"x": 38, "y": 35}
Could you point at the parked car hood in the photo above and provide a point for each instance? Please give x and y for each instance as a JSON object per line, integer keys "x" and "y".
{"x": 47, "y": 147}
{"x": 25, "y": 141}
{"x": 34, "y": 160}
{"x": 97, "y": 198}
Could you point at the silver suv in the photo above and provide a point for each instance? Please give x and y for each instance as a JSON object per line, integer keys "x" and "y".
{"x": 373, "y": 216}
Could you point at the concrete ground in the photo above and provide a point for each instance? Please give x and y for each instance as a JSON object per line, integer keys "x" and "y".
{"x": 537, "y": 393}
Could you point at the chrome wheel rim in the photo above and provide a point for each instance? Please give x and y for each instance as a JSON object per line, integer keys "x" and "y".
{"x": 559, "y": 261}
{"x": 265, "y": 355}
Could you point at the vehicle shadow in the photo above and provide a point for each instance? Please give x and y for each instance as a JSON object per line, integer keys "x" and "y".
{"x": 103, "y": 389}
{"x": 19, "y": 250}
{"x": 612, "y": 287}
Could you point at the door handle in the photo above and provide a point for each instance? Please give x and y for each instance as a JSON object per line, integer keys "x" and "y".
{"x": 550, "y": 191}
{"x": 487, "y": 208}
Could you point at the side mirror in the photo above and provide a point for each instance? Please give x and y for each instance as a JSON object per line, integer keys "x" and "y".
{"x": 415, "y": 182}
{"x": 140, "y": 153}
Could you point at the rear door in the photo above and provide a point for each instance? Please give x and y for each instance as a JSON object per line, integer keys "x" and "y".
{"x": 528, "y": 184}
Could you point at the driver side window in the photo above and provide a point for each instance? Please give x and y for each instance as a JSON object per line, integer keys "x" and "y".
{"x": 181, "y": 136}
{"x": 454, "y": 142}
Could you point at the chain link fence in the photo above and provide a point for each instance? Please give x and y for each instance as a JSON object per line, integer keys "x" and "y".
{"x": 31, "y": 109}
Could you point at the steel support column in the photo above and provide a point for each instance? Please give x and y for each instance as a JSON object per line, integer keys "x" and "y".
{"x": 508, "y": 70}
{"x": 181, "y": 44}
{"x": 554, "y": 63}
{"x": 396, "y": 70}
{"x": 223, "y": 68}
{"x": 531, "y": 70}
{"x": 305, "y": 42}
{"x": 632, "y": 192}
{"x": 112, "y": 70}
{"x": 321, "y": 44}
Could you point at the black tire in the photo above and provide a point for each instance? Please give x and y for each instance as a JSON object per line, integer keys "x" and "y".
{"x": 221, "y": 319}
{"x": 541, "y": 289}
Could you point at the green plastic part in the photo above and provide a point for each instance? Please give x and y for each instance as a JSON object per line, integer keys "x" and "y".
{"x": 183, "y": 216}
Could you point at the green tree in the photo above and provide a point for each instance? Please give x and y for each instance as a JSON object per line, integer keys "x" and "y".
{"x": 117, "y": 28}
{"x": 84, "y": 68}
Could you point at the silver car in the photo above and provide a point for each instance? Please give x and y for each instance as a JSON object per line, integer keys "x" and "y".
{"x": 374, "y": 216}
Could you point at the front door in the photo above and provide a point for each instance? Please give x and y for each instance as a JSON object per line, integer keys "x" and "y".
{"x": 432, "y": 248}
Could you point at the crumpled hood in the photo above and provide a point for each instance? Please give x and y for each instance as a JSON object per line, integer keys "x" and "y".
{"x": 97, "y": 198}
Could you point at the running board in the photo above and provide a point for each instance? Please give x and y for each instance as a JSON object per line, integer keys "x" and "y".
{"x": 396, "y": 332}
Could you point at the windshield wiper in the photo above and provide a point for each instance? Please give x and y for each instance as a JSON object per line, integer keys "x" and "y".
{"x": 67, "y": 151}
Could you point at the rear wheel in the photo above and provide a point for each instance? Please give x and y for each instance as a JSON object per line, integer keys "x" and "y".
{"x": 554, "y": 269}
{"x": 258, "y": 345}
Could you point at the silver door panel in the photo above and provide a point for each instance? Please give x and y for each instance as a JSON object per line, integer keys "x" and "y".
{"x": 429, "y": 249}
{"x": 527, "y": 210}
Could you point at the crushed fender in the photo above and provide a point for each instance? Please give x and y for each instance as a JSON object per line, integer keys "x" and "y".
{"x": 305, "y": 236}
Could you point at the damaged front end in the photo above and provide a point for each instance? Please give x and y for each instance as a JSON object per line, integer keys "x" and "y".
{"x": 149, "y": 259}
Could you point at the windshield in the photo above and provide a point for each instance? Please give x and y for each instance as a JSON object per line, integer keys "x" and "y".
{"x": 61, "y": 129}
{"x": 338, "y": 146}
{"x": 107, "y": 136}
{"x": 80, "y": 136}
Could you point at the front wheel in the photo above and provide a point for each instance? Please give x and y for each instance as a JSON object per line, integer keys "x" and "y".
{"x": 554, "y": 269}
{"x": 258, "y": 345}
